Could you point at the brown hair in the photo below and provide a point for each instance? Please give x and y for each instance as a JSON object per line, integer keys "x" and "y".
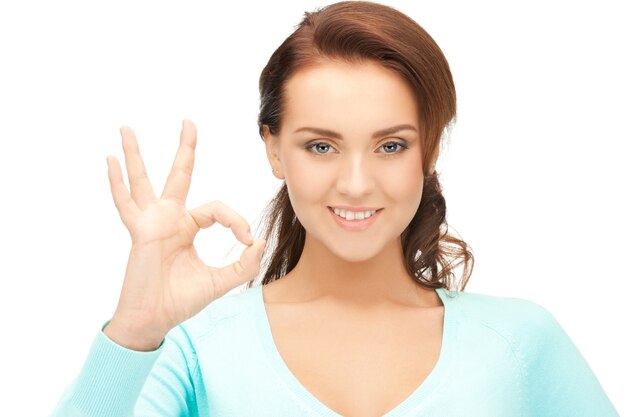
{"x": 354, "y": 31}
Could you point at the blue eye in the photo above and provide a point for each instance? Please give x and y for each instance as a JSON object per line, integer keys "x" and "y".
{"x": 319, "y": 147}
{"x": 390, "y": 148}
{"x": 393, "y": 147}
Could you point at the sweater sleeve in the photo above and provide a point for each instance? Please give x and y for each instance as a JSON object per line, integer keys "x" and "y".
{"x": 560, "y": 383}
{"x": 119, "y": 382}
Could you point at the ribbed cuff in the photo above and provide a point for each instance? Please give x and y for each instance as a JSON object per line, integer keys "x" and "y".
{"x": 112, "y": 378}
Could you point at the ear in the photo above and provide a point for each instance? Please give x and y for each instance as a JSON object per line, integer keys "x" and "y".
{"x": 431, "y": 168}
{"x": 272, "y": 147}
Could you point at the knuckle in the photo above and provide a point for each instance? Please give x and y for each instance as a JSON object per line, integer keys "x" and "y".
{"x": 138, "y": 178}
{"x": 220, "y": 207}
{"x": 239, "y": 268}
{"x": 185, "y": 169}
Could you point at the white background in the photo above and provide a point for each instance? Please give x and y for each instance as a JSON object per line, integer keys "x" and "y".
{"x": 533, "y": 173}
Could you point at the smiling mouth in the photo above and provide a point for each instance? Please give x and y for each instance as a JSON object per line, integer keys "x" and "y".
{"x": 353, "y": 215}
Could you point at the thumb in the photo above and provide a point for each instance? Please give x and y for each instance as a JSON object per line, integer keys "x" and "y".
{"x": 246, "y": 268}
{"x": 251, "y": 257}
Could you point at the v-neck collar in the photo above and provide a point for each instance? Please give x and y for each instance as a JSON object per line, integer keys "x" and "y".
{"x": 409, "y": 405}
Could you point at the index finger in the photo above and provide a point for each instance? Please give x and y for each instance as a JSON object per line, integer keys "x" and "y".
{"x": 216, "y": 211}
{"x": 179, "y": 179}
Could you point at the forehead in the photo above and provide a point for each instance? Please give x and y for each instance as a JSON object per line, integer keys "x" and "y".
{"x": 348, "y": 96}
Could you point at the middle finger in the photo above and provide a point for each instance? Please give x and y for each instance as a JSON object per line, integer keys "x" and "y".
{"x": 140, "y": 186}
{"x": 179, "y": 180}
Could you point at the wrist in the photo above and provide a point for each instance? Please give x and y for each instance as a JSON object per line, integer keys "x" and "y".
{"x": 133, "y": 338}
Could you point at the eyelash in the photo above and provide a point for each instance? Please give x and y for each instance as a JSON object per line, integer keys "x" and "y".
{"x": 401, "y": 146}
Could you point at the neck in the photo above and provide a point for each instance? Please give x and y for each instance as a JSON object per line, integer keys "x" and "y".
{"x": 380, "y": 280}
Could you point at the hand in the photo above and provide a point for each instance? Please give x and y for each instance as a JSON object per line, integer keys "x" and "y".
{"x": 166, "y": 282}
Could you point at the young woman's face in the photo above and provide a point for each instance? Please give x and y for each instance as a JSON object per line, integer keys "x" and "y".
{"x": 349, "y": 140}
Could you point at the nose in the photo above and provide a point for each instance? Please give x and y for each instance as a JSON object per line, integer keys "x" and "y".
{"x": 355, "y": 177}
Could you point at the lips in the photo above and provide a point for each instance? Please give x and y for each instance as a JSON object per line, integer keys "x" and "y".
{"x": 355, "y": 225}
{"x": 348, "y": 208}
{"x": 353, "y": 214}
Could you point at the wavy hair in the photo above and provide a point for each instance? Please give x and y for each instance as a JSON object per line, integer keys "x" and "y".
{"x": 354, "y": 31}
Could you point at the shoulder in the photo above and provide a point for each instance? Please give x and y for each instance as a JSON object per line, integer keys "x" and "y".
{"x": 230, "y": 309}
{"x": 491, "y": 307}
{"x": 519, "y": 320}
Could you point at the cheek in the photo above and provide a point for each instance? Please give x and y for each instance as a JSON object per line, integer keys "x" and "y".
{"x": 403, "y": 174}
{"x": 306, "y": 181}
{"x": 407, "y": 190}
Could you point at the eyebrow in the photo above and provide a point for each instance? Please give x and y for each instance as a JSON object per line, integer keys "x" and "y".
{"x": 377, "y": 134}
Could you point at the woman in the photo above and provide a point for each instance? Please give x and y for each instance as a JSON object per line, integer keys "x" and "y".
{"x": 359, "y": 312}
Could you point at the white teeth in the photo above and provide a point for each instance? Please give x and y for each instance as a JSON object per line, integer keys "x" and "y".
{"x": 353, "y": 215}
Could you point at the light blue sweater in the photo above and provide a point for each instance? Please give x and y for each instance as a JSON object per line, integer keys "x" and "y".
{"x": 500, "y": 357}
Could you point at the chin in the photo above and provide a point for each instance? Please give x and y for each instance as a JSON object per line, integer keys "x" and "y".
{"x": 355, "y": 254}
